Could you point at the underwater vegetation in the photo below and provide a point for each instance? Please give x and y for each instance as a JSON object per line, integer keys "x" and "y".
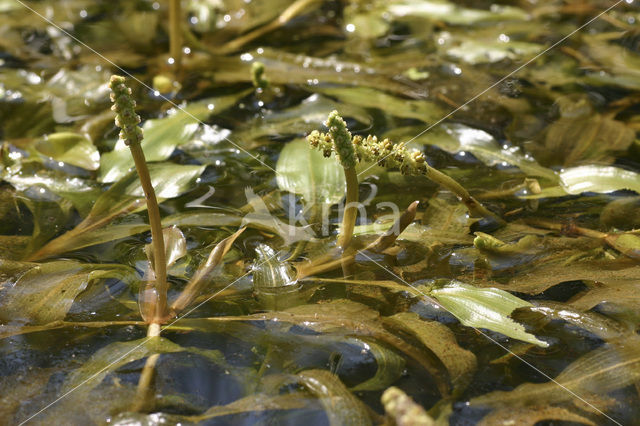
{"x": 340, "y": 212}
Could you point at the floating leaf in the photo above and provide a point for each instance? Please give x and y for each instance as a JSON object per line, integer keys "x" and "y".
{"x": 484, "y": 308}
{"x": 302, "y": 170}
{"x": 592, "y": 178}
{"x": 44, "y": 293}
{"x": 341, "y": 406}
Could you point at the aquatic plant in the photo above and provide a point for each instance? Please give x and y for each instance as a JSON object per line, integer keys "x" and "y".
{"x": 131, "y": 134}
{"x": 386, "y": 154}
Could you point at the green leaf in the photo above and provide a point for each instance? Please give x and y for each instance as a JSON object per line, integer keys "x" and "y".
{"x": 163, "y": 135}
{"x": 305, "y": 171}
{"x": 175, "y": 246}
{"x": 298, "y": 120}
{"x": 594, "y": 178}
{"x": 422, "y": 110}
{"x": 591, "y": 178}
{"x": 124, "y": 197}
{"x": 44, "y": 293}
{"x": 71, "y": 148}
{"x": 484, "y": 308}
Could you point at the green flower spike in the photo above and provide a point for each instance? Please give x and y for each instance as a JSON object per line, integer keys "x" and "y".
{"x": 124, "y": 107}
{"x": 131, "y": 134}
{"x": 389, "y": 155}
{"x": 339, "y": 140}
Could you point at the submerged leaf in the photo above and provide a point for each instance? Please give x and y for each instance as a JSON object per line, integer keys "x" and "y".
{"x": 390, "y": 366}
{"x": 484, "y": 51}
{"x": 44, "y": 293}
{"x": 302, "y": 170}
{"x": 422, "y": 110}
{"x": 581, "y": 135}
{"x": 175, "y": 246}
{"x": 484, "y": 308}
{"x": 114, "y": 356}
{"x": 459, "y": 362}
{"x": 459, "y": 138}
{"x": 70, "y": 148}
{"x": 124, "y": 197}
{"x": 595, "y": 178}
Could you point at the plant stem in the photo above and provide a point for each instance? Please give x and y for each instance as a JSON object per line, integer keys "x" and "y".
{"x": 474, "y": 207}
{"x": 157, "y": 239}
{"x": 175, "y": 32}
{"x": 131, "y": 134}
{"x": 351, "y": 208}
{"x": 143, "y": 399}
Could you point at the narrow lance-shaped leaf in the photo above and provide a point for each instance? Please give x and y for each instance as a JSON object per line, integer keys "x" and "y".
{"x": 124, "y": 197}
{"x": 199, "y": 280}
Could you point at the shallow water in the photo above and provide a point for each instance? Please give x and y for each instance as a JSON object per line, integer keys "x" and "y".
{"x": 540, "y": 127}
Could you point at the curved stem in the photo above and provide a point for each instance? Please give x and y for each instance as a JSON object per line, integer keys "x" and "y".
{"x": 474, "y": 207}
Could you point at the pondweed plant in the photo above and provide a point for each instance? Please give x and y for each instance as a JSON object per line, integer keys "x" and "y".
{"x": 386, "y": 154}
{"x": 131, "y": 134}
